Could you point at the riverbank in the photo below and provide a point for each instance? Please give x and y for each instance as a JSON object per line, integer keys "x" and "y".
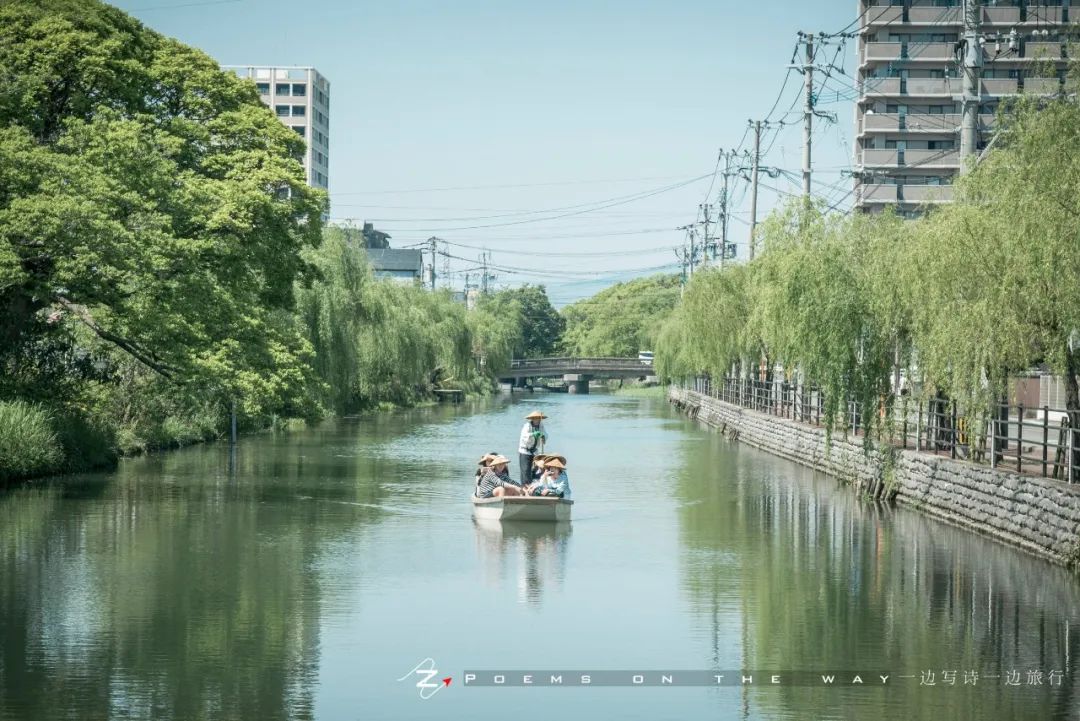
{"x": 36, "y": 442}
{"x": 1039, "y": 515}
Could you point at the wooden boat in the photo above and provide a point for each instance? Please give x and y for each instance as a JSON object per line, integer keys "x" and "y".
{"x": 522, "y": 508}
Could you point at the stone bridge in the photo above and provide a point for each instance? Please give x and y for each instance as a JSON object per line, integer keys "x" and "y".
{"x": 575, "y": 372}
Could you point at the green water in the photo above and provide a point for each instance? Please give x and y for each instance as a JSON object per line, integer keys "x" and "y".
{"x": 302, "y": 579}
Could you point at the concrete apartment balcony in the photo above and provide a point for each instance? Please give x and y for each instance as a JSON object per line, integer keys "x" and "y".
{"x": 927, "y": 123}
{"x": 987, "y": 121}
{"x": 999, "y": 86}
{"x": 879, "y": 157}
{"x": 881, "y": 51}
{"x": 926, "y": 193}
{"x": 913, "y": 123}
{"x": 882, "y": 15}
{"x": 1043, "y": 14}
{"x": 880, "y": 122}
{"x": 1001, "y": 15}
{"x": 930, "y": 51}
{"x": 881, "y": 86}
{"x": 932, "y": 158}
{"x": 933, "y": 86}
{"x": 918, "y": 51}
{"x": 874, "y": 193}
{"x": 1042, "y": 86}
{"x": 934, "y": 15}
{"x": 1042, "y": 51}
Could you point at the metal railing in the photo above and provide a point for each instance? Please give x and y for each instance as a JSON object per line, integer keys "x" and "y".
{"x": 1033, "y": 441}
{"x": 560, "y": 363}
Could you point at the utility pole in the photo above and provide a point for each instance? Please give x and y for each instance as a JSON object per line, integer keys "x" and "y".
{"x": 446, "y": 264}
{"x": 432, "y": 241}
{"x": 808, "y": 110}
{"x": 754, "y": 185}
{"x": 706, "y": 208}
{"x": 725, "y": 209}
{"x": 682, "y": 258}
{"x": 693, "y": 252}
{"x": 484, "y": 277}
{"x": 972, "y": 67}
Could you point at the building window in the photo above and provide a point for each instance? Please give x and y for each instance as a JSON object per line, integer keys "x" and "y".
{"x": 264, "y": 88}
{"x": 299, "y": 90}
{"x": 281, "y": 88}
{"x": 299, "y": 111}
{"x": 300, "y": 130}
{"x": 282, "y": 111}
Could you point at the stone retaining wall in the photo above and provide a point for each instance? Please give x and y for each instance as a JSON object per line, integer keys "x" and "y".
{"x": 1039, "y": 515}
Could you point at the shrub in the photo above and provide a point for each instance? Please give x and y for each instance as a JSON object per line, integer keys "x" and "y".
{"x": 28, "y": 444}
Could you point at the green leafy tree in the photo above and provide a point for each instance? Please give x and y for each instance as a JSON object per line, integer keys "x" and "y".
{"x": 542, "y": 326}
{"x": 621, "y": 320}
{"x": 150, "y": 199}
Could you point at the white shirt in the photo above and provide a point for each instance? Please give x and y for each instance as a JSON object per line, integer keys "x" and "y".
{"x": 526, "y": 436}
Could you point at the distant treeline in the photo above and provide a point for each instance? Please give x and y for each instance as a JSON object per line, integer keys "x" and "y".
{"x": 622, "y": 320}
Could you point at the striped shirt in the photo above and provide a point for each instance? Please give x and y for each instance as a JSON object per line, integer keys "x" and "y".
{"x": 491, "y": 480}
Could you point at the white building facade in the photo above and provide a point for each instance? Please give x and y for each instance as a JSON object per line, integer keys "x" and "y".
{"x": 300, "y": 97}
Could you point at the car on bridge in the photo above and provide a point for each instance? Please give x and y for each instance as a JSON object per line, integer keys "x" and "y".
{"x": 646, "y": 357}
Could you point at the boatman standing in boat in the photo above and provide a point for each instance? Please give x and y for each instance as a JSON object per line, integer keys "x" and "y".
{"x": 533, "y": 437}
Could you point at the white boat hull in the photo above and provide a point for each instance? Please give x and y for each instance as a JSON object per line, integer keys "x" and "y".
{"x": 522, "y": 508}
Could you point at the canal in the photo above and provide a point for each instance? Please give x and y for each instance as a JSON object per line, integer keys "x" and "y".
{"x": 302, "y": 578}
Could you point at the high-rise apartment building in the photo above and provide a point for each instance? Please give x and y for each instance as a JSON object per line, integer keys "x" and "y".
{"x": 910, "y": 83}
{"x": 301, "y": 99}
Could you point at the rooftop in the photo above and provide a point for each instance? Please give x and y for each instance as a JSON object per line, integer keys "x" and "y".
{"x": 395, "y": 259}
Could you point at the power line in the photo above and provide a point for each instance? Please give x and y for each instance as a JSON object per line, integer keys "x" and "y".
{"x": 182, "y": 5}
{"x": 504, "y": 186}
{"x": 619, "y": 201}
{"x": 583, "y": 254}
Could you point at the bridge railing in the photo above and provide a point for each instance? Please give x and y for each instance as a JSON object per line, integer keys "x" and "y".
{"x": 572, "y": 362}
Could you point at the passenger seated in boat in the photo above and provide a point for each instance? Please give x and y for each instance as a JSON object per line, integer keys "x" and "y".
{"x": 495, "y": 480}
{"x": 537, "y": 474}
{"x": 555, "y": 481}
{"x": 482, "y": 464}
{"x": 538, "y": 467}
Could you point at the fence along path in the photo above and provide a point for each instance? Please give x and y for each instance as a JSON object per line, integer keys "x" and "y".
{"x": 1044, "y": 445}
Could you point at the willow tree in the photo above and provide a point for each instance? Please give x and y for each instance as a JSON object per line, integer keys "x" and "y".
{"x": 496, "y": 325}
{"x": 824, "y": 303}
{"x": 707, "y": 330}
{"x": 995, "y": 273}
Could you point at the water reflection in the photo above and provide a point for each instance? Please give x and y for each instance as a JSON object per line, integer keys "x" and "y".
{"x": 819, "y": 579}
{"x": 534, "y": 553}
{"x": 328, "y": 562}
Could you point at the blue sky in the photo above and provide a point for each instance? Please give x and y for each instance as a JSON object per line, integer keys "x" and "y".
{"x": 445, "y": 114}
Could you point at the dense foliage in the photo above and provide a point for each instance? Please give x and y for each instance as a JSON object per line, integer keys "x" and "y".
{"x": 621, "y": 320}
{"x": 160, "y": 258}
{"x": 962, "y": 299}
{"x": 541, "y": 325}
{"x": 379, "y": 341}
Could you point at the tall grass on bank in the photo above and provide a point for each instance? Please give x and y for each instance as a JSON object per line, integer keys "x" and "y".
{"x": 28, "y": 443}
{"x": 641, "y": 391}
